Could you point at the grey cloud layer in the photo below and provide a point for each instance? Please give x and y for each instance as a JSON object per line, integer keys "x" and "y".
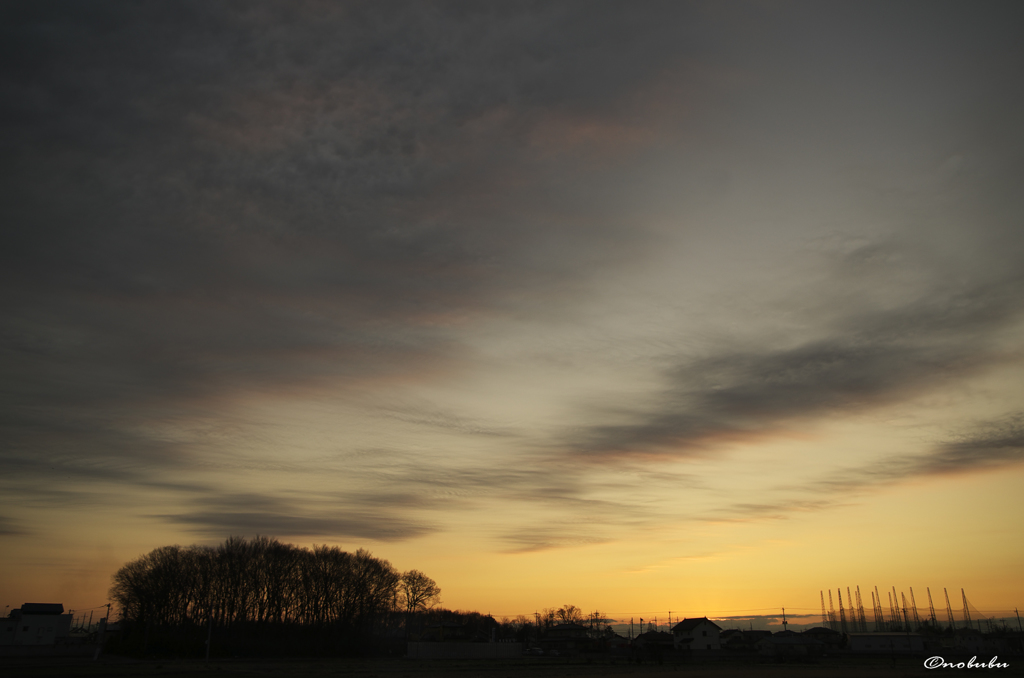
{"x": 248, "y": 514}
{"x": 201, "y": 201}
{"x": 869, "y": 360}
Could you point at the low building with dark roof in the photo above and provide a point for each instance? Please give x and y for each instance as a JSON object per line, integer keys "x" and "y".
{"x": 36, "y": 624}
{"x": 698, "y": 634}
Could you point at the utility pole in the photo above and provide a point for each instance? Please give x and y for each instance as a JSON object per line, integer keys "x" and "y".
{"x": 101, "y": 633}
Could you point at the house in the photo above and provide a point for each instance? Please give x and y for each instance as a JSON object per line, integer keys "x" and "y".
{"x": 740, "y": 641}
{"x": 831, "y": 640}
{"x": 650, "y": 639}
{"x": 36, "y": 624}
{"x": 566, "y": 639}
{"x": 699, "y": 634}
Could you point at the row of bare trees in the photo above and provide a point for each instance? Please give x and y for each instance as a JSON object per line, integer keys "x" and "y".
{"x": 258, "y": 584}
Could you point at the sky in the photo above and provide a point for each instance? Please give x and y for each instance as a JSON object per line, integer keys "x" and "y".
{"x": 690, "y": 307}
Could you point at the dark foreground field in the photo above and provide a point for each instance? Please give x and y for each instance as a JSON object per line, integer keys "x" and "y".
{"x": 115, "y": 667}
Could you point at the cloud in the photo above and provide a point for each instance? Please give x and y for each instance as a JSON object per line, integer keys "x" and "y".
{"x": 10, "y": 528}
{"x": 250, "y": 514}
{"x": 212, "y": 201}
{"x": 536, "y": 538}
{"x": 985, "y": 446}
{"x": 871, "y": 359}
{"x": 204, "y": 204}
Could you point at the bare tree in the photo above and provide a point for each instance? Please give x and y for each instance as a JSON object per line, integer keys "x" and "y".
{"x": 418, "y": 591}
{"x": 569, "y": 614}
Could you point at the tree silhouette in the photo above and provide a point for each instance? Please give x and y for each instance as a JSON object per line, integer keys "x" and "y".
{"x": 418, "y": 591}
{"x": 244, "y": 588}
{"x": 569, "y": 614}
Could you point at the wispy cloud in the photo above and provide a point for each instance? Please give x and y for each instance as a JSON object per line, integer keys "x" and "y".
{"x": 986, "y": 446}
{"x": 10, "y": 528}
{"x": 870, "y": 359}
{"x": 251, "y": 514}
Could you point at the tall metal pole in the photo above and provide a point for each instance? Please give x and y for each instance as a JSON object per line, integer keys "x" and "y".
{"x": 967, "y": 612}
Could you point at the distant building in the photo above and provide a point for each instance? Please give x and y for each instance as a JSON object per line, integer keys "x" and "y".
{"x": 36, "y": 624}
{"x": 790, "y": 644}
{"x": 655, "y": 638}
{"x": 831, "y": 640}
{"x": 566, "y": 639}
{"x": 741, "y": 641}
{"x": 444, "y": 632}
{"x": 699, "y": 634}
{"x": 884, "y": 643}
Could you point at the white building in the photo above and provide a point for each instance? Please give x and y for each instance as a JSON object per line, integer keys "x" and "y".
{"x": 35, "y": 624}
{"x": 699, "y": 634}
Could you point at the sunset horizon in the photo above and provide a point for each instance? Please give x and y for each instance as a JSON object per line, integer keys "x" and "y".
{"x": 689, "y": 307}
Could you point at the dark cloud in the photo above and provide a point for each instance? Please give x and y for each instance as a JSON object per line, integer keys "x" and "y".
{"x": 200, "y": 202}
{"x": 871, "y": 359}
{"x": 10, "y": 528}
{"x": 546, "y": 537}
{"x": 250, "y": 514}
{"x": 985, "y": 447}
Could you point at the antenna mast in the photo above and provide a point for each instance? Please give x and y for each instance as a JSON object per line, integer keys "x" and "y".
{"x": 860, "y": 613}
{"x": 931, "y": 608}
{"x": 967, "y": 613}
{"x": 879, "y": 617}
